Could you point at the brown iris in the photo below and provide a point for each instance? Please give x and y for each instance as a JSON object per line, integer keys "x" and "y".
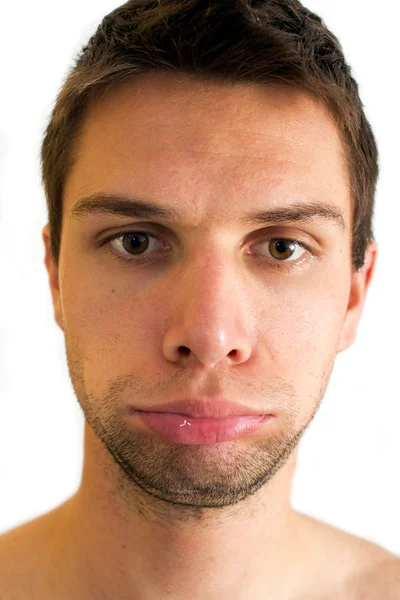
{"x": 280, "y": 248}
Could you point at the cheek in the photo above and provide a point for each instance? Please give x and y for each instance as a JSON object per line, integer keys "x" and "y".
{"x": 109, "y": 334}
{"x": 301, "y": 340}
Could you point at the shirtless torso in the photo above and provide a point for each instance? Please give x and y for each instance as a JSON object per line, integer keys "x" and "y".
{"x": 347, "y": 567}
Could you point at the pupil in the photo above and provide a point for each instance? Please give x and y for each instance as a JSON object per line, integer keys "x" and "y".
{"x": 135, "y": 242}
{"x": 283, "y": 247}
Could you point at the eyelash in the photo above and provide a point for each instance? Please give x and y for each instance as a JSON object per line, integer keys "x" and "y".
{"x": 286, "y": 265}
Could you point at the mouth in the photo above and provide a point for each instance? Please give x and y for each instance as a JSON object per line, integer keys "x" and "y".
{"x": 186, "y": 429}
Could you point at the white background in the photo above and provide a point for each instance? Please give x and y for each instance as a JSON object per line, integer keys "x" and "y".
{"x": 348, "y": 468}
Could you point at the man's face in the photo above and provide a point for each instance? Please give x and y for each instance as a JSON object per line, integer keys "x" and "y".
{"x": 263, "y": 321}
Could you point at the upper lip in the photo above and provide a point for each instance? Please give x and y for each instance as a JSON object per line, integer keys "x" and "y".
{"x": 204, "y": 407}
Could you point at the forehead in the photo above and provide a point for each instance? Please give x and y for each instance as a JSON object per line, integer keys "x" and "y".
{"x": 198, "y": 145}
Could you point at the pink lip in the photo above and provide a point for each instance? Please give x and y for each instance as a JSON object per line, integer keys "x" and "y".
{"x": 204, "y": 407}
{"x": 183, "y": 429}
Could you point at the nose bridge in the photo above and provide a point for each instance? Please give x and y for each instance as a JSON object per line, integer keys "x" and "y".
{"x": 211, "y": 271}
{"x": 205, "y": 289}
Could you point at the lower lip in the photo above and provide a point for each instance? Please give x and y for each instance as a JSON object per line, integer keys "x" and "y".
{"x": 183, "y": 429}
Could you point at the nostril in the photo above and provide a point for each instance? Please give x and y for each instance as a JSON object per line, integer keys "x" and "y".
{"x": 184, "y": 350}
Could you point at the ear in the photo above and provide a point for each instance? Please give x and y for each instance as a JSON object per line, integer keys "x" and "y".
{"x": 52, "y": 271}
{"x": 360, "y": 282}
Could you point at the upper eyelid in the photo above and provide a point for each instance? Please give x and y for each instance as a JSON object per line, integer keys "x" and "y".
{"x": 160, "y": 236}
{"x": 158, "y": 231}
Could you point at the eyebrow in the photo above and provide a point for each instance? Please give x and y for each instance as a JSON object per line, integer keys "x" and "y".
{"x": 126, "y": 206}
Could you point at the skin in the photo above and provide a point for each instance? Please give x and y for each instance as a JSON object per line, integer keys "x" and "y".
{"x": 156, "y": 519}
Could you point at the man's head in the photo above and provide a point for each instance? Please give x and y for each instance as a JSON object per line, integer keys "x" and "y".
{"x": 207, "y": 300}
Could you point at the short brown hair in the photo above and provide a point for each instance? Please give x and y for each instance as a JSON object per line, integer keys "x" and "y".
{"x": 231, "y": 41}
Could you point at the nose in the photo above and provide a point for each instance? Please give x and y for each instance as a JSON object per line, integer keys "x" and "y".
{"x": 211, "y": 317}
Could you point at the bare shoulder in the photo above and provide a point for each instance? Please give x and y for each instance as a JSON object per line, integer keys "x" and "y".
{"x": 354, "y": 567}
{"x": 25, "y": 558}
{"x": 378, "y": 580}
{"x": 21, "y": 556}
